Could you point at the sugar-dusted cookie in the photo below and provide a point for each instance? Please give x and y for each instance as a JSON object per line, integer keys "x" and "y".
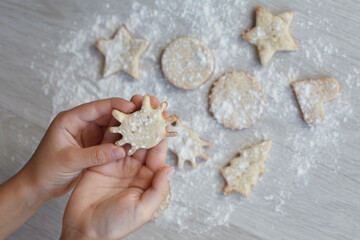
{"x": 187, "y": 63}
{"x": 271, "y": 34}
{"x": 144, "y": 128}
{"x": 187, "y": 145}
{"x": 311, "y": 95}
{"x": 237, "y": 100}
{"x": 122, "y": 53}
{"x": 162, "y": 207}
{"x": 243, "y": 171}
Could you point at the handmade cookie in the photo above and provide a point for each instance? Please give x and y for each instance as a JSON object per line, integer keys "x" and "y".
{"x": 187, "y": 63}
{"x": 243, "y": 171}
{"x": 122, "y": 53}
{"x": 144, "y": 128}
{"x": 237, "y": 100}
{"x": 311, "y": 95}
{"x": 270, "y": 34}
{"x": 187, "y": 145}
{"x": 162, "y": 207}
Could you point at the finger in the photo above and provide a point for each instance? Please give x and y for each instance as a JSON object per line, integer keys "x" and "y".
{"x": 153, "y": 197}
{"x": 110, "y": 137}
{"x": 91, "y": 135}
{"x": 140, "y": 155}
{"x": 137, "y": 100}
{"x": 82, "y": 158}
{"x": 142, "y": 179}
{"x": 166, "y": 114}
{"x": 156, "y": 156}
{"x": 154, "y": 101}
{"x": 94, "y": 110}
{"x": 77, "y": 118}
{"x": 124, "y": 169}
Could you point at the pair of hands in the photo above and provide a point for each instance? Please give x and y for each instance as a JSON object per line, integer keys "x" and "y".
{"x": 116, "y": 194}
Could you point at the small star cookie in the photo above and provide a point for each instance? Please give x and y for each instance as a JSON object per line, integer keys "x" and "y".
{"x": 237, "y": 100}
{"x": 144, "y": 128}
{"x": 311, "y": 96}
{"x": 122, "y": 53}
{"x": 243, "y": 171}
{"x": 187, "y": 145}
{"x": 187, "y": 63}
{"x": 271, "y": 34}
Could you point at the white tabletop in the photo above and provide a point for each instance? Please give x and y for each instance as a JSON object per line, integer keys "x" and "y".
{"x": 311, "y": 188}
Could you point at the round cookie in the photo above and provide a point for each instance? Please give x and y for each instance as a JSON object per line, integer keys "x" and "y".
{"x": 187, "y": 63}
{"x": 237, "y": 100}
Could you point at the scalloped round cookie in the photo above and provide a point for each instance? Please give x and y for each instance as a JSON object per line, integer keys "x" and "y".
{"x": 187, "y": 63}
{"x": 237, "y": 100}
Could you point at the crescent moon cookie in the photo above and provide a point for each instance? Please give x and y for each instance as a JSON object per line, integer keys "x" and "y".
{"x": 144, "y": 128}
{"x": 187, "y": 145}
{"x": 271, "y": 34}
{"x": 122, "y": 53}
{"x": 237, "y": 100}
{"x": 312, "y": 94}
{"x": 163, "y": 206}
{"x": 187, "y": 63}
{"x": 243, "y": 171}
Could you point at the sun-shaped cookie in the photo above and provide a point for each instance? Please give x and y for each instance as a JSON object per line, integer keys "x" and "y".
{"x": 188, "y": 145}
{"x": 144, "y": 128}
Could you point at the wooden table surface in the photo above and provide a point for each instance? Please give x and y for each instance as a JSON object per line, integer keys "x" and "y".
{"x": 327, "y": 208}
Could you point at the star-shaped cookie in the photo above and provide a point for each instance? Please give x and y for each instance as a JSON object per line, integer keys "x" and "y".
{"x": 122, "y": 53}
{"x": 271, "y": 34}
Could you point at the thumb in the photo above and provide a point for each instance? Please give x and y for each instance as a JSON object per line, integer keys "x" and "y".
{"x": 153, "y": 197}
{"x": 98, "y": 155}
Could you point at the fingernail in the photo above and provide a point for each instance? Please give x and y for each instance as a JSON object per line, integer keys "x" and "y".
{"x": 170, "y": 173}
{"x": 117, "y": 153}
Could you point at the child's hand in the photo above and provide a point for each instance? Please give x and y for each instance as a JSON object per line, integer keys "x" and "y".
{"x": 71, "y": 145}
{"x": 113, "y": 200}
